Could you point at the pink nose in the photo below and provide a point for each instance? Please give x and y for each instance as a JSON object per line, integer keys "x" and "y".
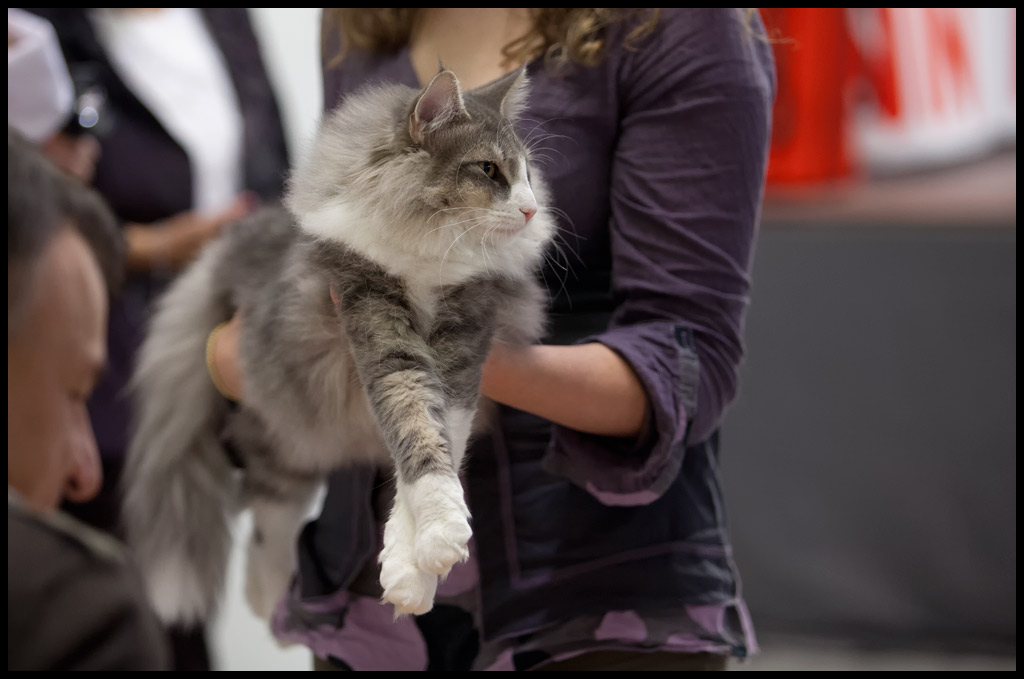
{"x": 528, "y": 213}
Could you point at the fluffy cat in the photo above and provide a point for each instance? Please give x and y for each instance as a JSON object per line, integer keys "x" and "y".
{"x": 420, "y": 212}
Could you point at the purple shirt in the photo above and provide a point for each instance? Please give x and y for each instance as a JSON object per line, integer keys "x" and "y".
{"x": 656, "y": 160}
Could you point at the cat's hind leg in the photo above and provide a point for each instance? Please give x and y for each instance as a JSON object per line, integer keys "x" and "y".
{"x": 280, "y": 498}
{"x": 271, "y": 558}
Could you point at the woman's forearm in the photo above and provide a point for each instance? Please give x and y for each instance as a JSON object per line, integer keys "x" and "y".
{"x": 587, "y": 387}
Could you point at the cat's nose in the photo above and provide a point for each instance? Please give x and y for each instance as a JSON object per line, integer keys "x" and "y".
{"x": 528, "y": 212}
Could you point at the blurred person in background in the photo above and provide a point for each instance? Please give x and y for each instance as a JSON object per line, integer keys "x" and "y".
{"x": 73, "y": 600}
{"x": 191, "y": 138}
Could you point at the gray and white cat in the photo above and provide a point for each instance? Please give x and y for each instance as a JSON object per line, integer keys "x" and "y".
{"x": 421, "y": 213}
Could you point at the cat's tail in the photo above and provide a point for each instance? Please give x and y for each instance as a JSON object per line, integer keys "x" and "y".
{"x": 180, "y": 490}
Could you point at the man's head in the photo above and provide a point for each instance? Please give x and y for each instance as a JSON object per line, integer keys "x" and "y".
{"x": 63, "y": 254}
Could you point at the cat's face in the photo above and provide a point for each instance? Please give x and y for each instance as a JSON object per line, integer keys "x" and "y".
{"x": 435, "y": 174}
{"x": 475, "y": 170}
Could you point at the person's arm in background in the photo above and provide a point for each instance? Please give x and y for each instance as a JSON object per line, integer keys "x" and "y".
{"x": 173, "y": 242}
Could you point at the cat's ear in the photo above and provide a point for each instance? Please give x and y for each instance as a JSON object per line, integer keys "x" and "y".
{"x": 439, "y": 104}
{"x": 507, "y": 95}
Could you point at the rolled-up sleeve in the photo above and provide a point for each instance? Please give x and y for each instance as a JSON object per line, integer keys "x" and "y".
{"x": 686, "y": 188}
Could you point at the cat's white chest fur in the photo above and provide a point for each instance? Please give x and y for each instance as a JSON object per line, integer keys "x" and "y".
{"x": 425, "y": 265}
{"x": 423, "y": 261}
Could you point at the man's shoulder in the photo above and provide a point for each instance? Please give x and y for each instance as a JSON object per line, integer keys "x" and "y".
{"x": 73, "y": 599}
{"x": 33, "y": 533}
{"x": 51, "y": 555}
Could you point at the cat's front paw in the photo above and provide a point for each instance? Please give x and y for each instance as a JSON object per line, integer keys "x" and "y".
{"x": 408, "y": 588}
{"x": 442, "y": 545}
{"x": 442, "y": 523}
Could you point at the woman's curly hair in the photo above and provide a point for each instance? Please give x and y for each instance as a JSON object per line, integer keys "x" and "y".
{"x": 562, "y": 35}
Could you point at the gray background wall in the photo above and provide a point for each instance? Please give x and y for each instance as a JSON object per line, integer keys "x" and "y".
{"x": 870, "y": 460}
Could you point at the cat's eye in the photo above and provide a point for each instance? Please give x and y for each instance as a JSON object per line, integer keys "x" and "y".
{"x": 490, "y": 169}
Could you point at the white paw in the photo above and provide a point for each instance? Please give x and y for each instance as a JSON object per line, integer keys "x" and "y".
{"x": 409, "y": 589}
{"x": 440, "y": 546}
{"x": 442, "y": 523}
{"x": 405, "y": 586}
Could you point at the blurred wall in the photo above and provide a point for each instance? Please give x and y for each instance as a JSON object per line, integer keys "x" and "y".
{"x": 869, "y": 462}
{"x": 870, "y": 459}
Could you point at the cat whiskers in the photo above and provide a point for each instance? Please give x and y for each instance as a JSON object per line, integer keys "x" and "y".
{"x": 451, "y": 209}
{"x": 449, "y": 224}
{"x": 530, "y": 142}
{"x": 440, "y": 269}
{"x": 537, "y": 152}
{"x": 483, "y": 246}
{"x": 566, "y": 268}
{"x": 572, "y": 229}
{"x": 565, "y": 264}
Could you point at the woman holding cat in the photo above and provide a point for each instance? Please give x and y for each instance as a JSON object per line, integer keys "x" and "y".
{"x": 599, "y": 529}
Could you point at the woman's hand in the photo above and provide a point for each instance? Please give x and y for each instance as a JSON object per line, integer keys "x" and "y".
{"x": 225, "y": 358}
{"x": 173, "y": 242}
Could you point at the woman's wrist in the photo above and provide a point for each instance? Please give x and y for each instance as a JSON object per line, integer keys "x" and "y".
{"x": 499, "y": 361}
{"x": 586, "y": 387}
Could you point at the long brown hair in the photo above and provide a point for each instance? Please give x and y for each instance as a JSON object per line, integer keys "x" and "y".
{"x": 561, "y": 35}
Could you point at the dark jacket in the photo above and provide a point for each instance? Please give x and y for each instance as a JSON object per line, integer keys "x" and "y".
{"x": 73, "y": 600}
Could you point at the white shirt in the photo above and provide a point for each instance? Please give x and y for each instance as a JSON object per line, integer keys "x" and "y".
{"x": 169, "y": 60}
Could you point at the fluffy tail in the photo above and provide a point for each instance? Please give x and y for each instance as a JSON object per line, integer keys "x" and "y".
{"x": 179, "y": 487}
